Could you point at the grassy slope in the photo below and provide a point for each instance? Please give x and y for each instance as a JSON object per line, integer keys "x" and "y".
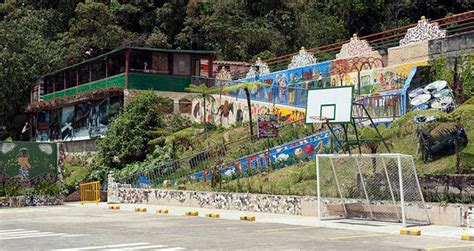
{"x": 301, "y": 180}
{"x": 75, "y": 174}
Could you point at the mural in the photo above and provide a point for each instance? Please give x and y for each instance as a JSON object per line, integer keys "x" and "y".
{"x": 28, "y": 160}
{"x": 80, "y": 122}
{"x": 227, "y": 111}
{"x": 288, "y": 87}
{"x": 373, "y": 80}
{"x": 303, "y": 149}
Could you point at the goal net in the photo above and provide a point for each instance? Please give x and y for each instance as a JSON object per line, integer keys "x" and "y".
{"x": 381, "y": 187}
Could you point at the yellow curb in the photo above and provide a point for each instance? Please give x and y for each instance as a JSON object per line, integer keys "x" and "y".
{"x": 415, "y": 232}
{"x": 111, "y": 207}
{"x": 467, "y": 237}
{"x": 212, "y": 215}
{"x": 162, "y": 211}
{"x": 248, "y": 218}
{"x": 192, "y": 213}
{"x": 140, "y": 209}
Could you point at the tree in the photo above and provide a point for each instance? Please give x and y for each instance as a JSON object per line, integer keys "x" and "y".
{"x": 205, "y": 93}
{"x": 127, "y": 139}
{"x": 26, "y": 52}
{"x": 247, "y": 86}
{"x": 93, "y": 28}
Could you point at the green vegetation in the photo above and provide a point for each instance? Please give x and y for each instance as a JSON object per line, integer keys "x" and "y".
{"x": 300, "y": 179}
{"x": 43, "y": 36}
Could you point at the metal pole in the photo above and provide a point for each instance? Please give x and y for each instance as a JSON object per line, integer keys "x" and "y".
{"x": 419, "y": 189}
{"x": 402, "y": 198}
{"x": 318, "y": 188}
{"x": 365, "y": 190}
{"x": 338, "y": 187}
{"x": 390, "y": 188}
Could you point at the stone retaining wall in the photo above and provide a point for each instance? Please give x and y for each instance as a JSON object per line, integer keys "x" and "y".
{"x": 448, "y": 214}
{"x": 31, "y": 201}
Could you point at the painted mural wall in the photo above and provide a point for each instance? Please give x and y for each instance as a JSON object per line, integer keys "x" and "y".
{"x": 28, "y": 160}
{"x": 291, "y": 153}
{"x": 226, "y": 111}
{"x": 78, "y": 122}
{"x": 376, "y": 80}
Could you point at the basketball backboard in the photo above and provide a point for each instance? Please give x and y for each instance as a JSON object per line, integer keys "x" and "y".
{"x": 331, "y": 104}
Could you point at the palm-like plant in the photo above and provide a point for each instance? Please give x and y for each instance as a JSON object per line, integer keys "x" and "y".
{"x": 205, "y": 93}
{"x": 174, "y": 139}
{"x": 247, "y": 86}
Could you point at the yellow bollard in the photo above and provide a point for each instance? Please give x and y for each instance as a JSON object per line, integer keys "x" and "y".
{"x": 415, "y": 232}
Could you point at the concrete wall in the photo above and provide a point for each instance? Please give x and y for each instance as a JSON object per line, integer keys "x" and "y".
{"x": 453, "y": 45}
{"x": 408, "y": 53}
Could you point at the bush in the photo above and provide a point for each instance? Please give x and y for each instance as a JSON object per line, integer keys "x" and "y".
{"x": 126, "y": 140}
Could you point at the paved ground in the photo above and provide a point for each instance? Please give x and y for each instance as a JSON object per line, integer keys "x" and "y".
{"x": 94, "y": 227}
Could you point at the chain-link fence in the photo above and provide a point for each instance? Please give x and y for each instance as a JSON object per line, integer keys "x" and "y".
{"x": 247, "y": 151}
{"x": 382, "y": 187}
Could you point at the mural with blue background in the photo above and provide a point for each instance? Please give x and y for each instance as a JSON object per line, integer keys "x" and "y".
{"x": 290, "y": 153}
{"x": 288, "y": 87}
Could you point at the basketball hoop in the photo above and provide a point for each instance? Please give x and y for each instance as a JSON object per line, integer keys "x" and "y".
{"x": 319, "y": 119}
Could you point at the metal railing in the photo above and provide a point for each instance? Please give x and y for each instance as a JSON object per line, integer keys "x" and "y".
{"x": 378, "y": 106}
{"x": 455, "y": 24}
{"x": 182, "y": 169}
{"x": 90, "y": 192}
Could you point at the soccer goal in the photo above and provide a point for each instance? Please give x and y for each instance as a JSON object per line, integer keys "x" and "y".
{"x": 380, "y": 187}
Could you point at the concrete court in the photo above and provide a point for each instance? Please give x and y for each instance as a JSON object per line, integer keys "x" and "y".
{"x": 94, "y": 227}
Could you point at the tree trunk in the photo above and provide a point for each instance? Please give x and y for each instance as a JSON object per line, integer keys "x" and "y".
{"x": 247, "y": 93}
{"x": 204, "y": 109}
{"x": 456, "y": 150}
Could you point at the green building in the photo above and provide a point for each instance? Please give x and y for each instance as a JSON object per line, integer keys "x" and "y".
{"x": 77, "y": 102}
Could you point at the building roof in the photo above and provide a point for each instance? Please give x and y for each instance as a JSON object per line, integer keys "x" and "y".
{"x": 103, "y": 56}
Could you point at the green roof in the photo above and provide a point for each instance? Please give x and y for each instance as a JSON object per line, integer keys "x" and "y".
{"x": 102, "y": 56}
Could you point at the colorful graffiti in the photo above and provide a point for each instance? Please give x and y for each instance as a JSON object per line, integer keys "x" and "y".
{"x": 291, "y": 153}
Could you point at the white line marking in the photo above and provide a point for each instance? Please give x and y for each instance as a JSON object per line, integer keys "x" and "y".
{"x": 171, "y": 249}
{"x": 19, "y": 232}
{"x": 11, "y": 230}
{"x": 146, "y": 247}
{"x": 29, "y": 236}
{"x": 108, "y": 246}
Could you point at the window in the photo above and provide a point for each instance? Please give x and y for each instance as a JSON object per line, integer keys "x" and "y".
{"x": 182, "y": 64}
{"x": 140, "y": 61}
{"x": 84, "y": 74}
{"x": 58, "y": 81}
{"x": 116, "y": 64}
{"x": 71, "y": 79}
{"x": 160, "y": 63}
{"x": 98, "y": 70}
{"x": 48, "y": 85}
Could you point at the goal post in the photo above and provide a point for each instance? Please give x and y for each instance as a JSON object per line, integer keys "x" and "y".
{"x": 379, "y": 187}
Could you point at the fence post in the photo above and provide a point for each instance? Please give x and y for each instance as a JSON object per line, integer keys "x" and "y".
{"x": 318, "y": 188}
{"x": 402, "y": 199}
